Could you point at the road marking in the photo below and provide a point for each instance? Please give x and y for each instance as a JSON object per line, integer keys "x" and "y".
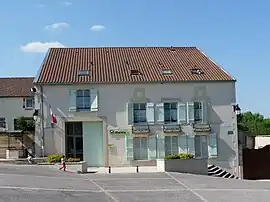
{"x": 234, "y": 190}
{"x": 43, "y": 176}
{"x": 123, "y": 179}
{"x": 187, "y": 187}
{"x": 103, "y": 190}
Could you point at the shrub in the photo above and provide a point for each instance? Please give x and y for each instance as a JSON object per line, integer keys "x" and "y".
{"x": 74, "y": 160}
{"x": 182, "y": 156}
{"x": 55, "y": 158}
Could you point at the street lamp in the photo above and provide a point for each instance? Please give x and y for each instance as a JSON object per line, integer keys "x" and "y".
{"x": 237, "y": 109}
{"x": 35, "y": 115}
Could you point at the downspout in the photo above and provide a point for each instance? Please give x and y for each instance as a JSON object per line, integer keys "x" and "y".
{"x": 42, "y": 121}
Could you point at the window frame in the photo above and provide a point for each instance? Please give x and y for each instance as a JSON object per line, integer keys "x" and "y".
{"x": 198, "y": 111}
{"x": 3, "y": 121}
{"x": 171, "y": 143}
{"x": 170, "y": 112}
{"x": 201, "y": 141}
{"x": 137, "y": 110}
{"x": 84, "y": 98}
{"x": 135, "y": 149}
{"x": 25, "y": 103}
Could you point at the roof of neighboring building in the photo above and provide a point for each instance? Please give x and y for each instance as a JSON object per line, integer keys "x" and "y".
{"x": 115, "y": 65}
{"x": 16, "y": 86}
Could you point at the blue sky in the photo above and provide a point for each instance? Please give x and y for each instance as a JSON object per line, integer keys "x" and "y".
{"x": 234, "y": 33}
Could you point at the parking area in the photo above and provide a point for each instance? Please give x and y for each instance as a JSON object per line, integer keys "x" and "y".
{"x": 42, "y": 184}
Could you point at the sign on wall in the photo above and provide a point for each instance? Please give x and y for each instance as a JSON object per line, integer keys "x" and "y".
{"x": 119, "y": 132}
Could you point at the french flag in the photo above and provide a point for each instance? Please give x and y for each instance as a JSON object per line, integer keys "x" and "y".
{"x": 54, "y": 120}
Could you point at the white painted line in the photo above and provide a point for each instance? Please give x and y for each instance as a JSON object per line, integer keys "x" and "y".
{"x": 42, "y": 176}
{"x": 123, "y": 179}
{"x": 103, "y": 190}
{"x": 145, "y": 190}
{"x": 49, "y": 189}
{"x": 187, "y": 187}
{"x": 234, "y": 190}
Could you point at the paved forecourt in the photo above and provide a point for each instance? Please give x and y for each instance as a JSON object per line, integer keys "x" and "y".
{"x": 42, "y": 184}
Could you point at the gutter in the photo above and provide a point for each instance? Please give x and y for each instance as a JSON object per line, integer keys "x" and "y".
{"x": 42, "y": 118}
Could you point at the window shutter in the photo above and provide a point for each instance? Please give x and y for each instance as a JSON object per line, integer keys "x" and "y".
{"x": 205, "y": 111}
{"x": 160, "y": 113}
{"x": 129, "y": 147}
{"x": 181, "y": 113}
{"x": 191, "y": 145}
{"x": 152, "y": 147}
{"x": 94, "y": 100}
{"x": 161, "y": 146}
{"x": 183, "y": 143}
{"x": 212, "y": 145}
{"x": 190, "y": 112}
{"x": 150, "y": 113}
{"x": 23, "y": 102}
{"x": 130, "y": 113}
{"x": 72, "y": 101}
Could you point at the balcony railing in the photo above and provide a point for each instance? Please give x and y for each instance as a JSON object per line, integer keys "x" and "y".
{"x": 171, "y": 128}
{"x": 201, "y": 127}
{"x": 140, "y": 128}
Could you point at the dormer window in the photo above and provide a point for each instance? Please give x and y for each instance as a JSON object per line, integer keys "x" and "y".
{"x": 166, "y": 72}
{"x": 135, "y": 72}
{"x": 83, "y": 72}
{"x": 197, "y": 71}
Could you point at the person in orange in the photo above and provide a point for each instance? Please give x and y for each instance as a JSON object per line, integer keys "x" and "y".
{"x": 63, "y": 162}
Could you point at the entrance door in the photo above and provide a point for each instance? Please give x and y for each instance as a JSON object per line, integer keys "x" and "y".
{"x": 140, "y": 148}
{"x": 74, "y": 140}
{"x": 93, "y": 143}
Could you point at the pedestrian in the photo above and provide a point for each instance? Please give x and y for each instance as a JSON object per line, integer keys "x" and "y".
{"x": 63, "y": 162}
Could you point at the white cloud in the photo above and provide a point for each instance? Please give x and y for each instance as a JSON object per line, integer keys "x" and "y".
{"x": 67, "y": 3}
{"x": 40, "y": 47}
{"x": 57, "y": 26}
{"x": 97, "y": 28}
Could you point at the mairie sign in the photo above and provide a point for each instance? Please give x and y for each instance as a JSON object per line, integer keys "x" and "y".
{"x": 119, "y": 132}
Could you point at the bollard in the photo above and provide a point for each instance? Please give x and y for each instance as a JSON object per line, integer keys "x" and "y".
{"x": 109, "y": 169}
{"x": 137, "y": 169}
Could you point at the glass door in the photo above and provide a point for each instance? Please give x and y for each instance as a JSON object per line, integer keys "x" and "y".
{"x": 140, "y": 145}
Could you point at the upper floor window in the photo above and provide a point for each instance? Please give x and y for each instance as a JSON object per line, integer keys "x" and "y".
{"x": 83, "y": 100}
{"x": 139, "y": 113}
{"x": 198, "y": 112}
{"x": 170, "y": 112}
{"x": 29, "y": 103}
{"x": 2, "y": 123}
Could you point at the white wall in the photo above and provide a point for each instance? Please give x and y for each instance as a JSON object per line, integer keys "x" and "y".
{"x": 112, "y": 110}
{"x": 12, "y": 108}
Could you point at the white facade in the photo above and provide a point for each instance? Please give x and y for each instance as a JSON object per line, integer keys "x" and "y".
{"x": 14, "y": 107}
{"x": 112, "y": 101}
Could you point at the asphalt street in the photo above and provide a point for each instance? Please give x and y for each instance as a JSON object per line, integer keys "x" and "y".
{"x": 42, "y": 184}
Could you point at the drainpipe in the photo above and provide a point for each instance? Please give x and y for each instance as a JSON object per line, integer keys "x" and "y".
{"x": 42, "y": 120}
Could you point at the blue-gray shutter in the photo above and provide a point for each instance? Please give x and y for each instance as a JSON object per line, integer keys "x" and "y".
{"x": 182, "y": 112}
{"x": 94, "y": 100}
{"x": 160, "y": 113}
{"x": 212, "y": 145}
{"x": 150, "y": 113}
{"x": 129, "y": 147}
{"x": 129, "y": 111}
{"x": 152, "y": 147}
{"x": 72, "y": 100}
{"x": 183, "y": 146}
{"x": 191, "y": 144}
{"x": 161, "y": 146}
{"x": 191, "y": 112}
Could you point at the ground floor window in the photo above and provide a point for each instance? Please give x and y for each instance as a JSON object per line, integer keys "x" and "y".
{"x": 171, "y": 145}
{"x": 140, "y": 145}
{"x": 201, "y": 146}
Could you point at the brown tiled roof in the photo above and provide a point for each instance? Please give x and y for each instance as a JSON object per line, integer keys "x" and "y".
{"x": 113, "y": 65}
{"x": 16, "y": 87}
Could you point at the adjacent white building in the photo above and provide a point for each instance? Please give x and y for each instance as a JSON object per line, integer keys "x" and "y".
{"x": 129, "y": 106}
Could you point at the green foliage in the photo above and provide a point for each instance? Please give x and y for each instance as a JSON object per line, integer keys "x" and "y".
{"x": 254, "y": 124}
{"x": 74, "y": 160}
{"x": 182, "y": 156}
{"x": 25, "y": 124}
{"x": 55, "y": 158}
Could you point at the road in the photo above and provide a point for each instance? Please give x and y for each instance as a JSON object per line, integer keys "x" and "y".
{"x": 41, "y": 184}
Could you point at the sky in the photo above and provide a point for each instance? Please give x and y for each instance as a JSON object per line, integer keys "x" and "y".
{"x": 235, "y": 34}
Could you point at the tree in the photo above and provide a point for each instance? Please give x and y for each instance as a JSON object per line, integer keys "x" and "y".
{"x": 25, "y": 124}
{"x": 254, "y": 123}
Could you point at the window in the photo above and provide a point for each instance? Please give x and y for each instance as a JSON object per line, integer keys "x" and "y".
{"x": 170, "y": 112}
{"x": 139, "y": 114}
{"x": 16, "y": 124}
{"x": 198, "y": 113}
{"x": 171, "y": 145}
{"x": 166, "y": 71}
{"x": 83, "y": 100}
{"x": 140, "y": 145}
{"x": 201, "y": 147}
{"x": 2, "y": 123}
{"x": 82, "y": 72}
{"x": 29, "y": 103}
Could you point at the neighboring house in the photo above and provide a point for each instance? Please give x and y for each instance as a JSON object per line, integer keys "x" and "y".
{"x": 128, "y": 106}
{"x": 16, "y": 101}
